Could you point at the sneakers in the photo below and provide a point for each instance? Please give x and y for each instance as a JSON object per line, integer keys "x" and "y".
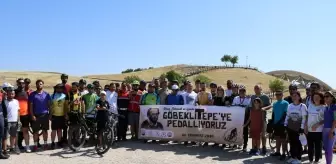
{"x": 28, "y": 149}
{"x": 252, "y": 151}
{"x": 35, "y": 148}
{"x": 276, "y": 154}
{"x": 45, "y": 147}
{"x": 3, "y": 156}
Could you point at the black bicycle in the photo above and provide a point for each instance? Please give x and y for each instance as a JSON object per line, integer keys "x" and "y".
{"x": 79, "y": 130}
{"x": 109, "y": 134}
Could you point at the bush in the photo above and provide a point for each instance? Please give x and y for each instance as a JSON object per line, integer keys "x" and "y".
{"x": 276, "y": 84}
{"x": 202, "y": 78}
{"x": 130, "y": 79}
{"x": 150, "y": 67}
{"x": 127, "y": 70}
{"x": 172, "y": 75}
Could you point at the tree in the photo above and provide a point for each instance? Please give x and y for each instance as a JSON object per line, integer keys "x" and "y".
{"x": 163, "y": 76}
{"x": 150, "y": 67}
{"x": 138, "y": 69}
{"x": 202, "y": 78}
{"x": 172, "y": 75}
{"x": 127, "y": 70}
{"x": 130, "y": 79}
{"x": 276, "y": 84}
{"x": 234, "y": 60}
{"x": 226, "y": 58}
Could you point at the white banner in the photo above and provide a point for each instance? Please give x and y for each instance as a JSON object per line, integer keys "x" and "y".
{"x": 216, "y": 124}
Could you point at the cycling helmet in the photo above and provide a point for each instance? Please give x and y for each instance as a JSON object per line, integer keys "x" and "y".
{"x": 316, "y": 84}
{"x": 82, "y": 81}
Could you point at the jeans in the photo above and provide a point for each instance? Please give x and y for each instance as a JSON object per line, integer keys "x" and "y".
{"x": 328, "y": 144}
{"x": 295, "y": 144}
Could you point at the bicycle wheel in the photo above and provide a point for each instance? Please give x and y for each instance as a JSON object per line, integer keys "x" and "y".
{"x": 76, "y": 137}
{"x": 271, "y": 141}
{"x": 107, "y": 140}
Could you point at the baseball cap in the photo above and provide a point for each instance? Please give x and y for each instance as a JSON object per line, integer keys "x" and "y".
{"x": 175, "y": 87}
{"x": 90, "y": 86}
{"x": 102, "y": 92}
{"x": 331, "y": 93}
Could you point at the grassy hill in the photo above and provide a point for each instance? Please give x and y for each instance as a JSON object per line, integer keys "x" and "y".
{"x": 248, "y": 77}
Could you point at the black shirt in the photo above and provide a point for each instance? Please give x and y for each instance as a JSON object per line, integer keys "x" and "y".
{"x": 102, "y": 114}
{"x": 288, "y": 99}
{"x": 218, "y": 101}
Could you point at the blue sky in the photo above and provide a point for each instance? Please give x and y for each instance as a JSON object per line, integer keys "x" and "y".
{"x": 98, "y": 37}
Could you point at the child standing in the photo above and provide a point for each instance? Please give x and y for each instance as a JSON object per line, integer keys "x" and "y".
{"x": 256, "y": 125}
{"x": 102, "y": 116}
{"x": 58, "y": 114}
{"x": 12, "y": 106}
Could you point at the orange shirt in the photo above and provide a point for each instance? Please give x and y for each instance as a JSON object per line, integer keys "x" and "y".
{"x": 22, "y": 97}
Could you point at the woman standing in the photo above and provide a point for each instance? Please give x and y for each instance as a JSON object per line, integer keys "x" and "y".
{"x": 328, "y": 134}
{"x": 294, "y": 123}
{"x": 218, "y": 100}
{"x": 314, "y": 126}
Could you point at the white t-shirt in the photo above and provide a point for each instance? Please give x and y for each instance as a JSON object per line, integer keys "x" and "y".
{"x": 190, "y": 98}
{"x": 13, "y": 110}
{"x": 296, "y": 114}
{"x": 315, "y": 115}
{"x": 228, "y": 92}
{"x": 244, "y": 101}
{"x": 84, "y": 92}
{"x": 112, "y": 98}
{"x": 181, "y": 92}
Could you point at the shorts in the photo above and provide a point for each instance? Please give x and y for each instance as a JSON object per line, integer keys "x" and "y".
{"x": 12, "y": 129}
{"x": 279, "y": 131}
{"x": 5, "y": 129}
{"x": 57, "y": 122}
{"x": 41, "y": 123}
{"x": 25, "y": 120}
{"x": 133, "y": 118}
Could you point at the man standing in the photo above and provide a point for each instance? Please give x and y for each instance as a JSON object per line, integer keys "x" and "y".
{"x": 134, "y": 109}
{"x": 213, "y": 89}
{"x": 39, "y": 105}
{"x": 156, "y": 82}
{"x": 112, "y": 98}
{"x": 174, "y": 98}
{"x": 190, "y": 97}
{"x": 229, "y": 85}
{"x": 197, "y": 86}
{"x": 278, "y": 116}
{"x": 3, "y": 133}
{"x": 292, "y": 88}
{"x": 123, "y": 102}
{"x": 266, "y": 106}
{"x": 22, "y": 96}
{"x": 164, "y": 91}
{"x": 82, "y": 87}
{"x": 142, "y": 86}
{"x": 204, "y": 97}
{"x": 66, "y": 91}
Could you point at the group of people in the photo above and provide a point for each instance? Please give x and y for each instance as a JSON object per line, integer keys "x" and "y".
{"x": 22, "y": 108}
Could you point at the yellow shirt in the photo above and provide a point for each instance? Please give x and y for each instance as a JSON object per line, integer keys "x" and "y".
{"x": 204, "y": 98}
{"x": 57, "y": 106}
{"x": 75, "y": 102}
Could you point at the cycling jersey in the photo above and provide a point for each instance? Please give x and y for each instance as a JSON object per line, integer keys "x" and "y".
{"x": 57, "y": 105}
{"x": 204, "y": 98}
{"x": 90, "y": 100}
{"x": 123, "y": 100}
{"x": 75, "y": 100}
{"x": 135, "y": 101}
{"x": 150, "y": 99}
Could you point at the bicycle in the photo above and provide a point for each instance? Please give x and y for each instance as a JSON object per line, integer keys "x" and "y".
{"x": 79, "y": 130}
{"x": 109, "y": 134}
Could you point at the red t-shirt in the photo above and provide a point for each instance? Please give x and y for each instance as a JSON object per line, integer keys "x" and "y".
{"x": 67, "y": 89}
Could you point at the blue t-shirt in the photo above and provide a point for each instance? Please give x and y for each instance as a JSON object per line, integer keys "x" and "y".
{"x": 40, "y": 102}
{"x": 279, "y": 109}
{"x": 329, "y": 116}
{"x": 175, "y": 99}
